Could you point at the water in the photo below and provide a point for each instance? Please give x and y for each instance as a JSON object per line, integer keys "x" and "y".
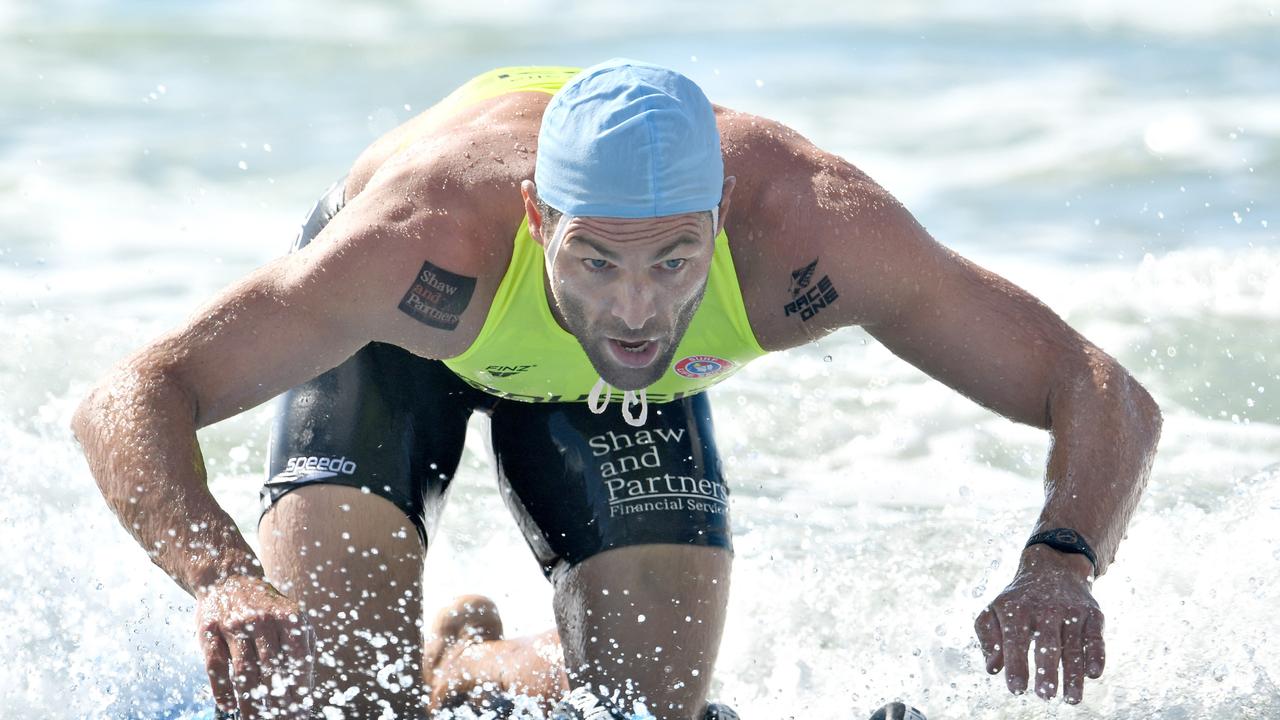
{"x": 1119, "y": 160}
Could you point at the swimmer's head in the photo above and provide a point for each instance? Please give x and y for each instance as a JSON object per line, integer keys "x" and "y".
{"x": 629, "y": 195}
{"x": 627, "y": 288}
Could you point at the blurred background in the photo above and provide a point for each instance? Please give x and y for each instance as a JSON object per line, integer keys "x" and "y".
{"x": 1120, "y": 160}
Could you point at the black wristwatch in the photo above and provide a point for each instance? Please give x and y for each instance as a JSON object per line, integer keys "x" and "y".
{"x": 1065, "y": 540}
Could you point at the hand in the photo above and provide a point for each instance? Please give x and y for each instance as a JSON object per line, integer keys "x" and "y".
{"x": 1049, "y": 601}
{"x": 258, "y": 648}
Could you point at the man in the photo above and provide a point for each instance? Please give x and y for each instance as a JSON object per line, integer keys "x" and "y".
{"x": 629, "y": 281}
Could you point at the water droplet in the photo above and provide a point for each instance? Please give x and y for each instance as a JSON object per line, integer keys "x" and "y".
{"x": 826, "y": 358}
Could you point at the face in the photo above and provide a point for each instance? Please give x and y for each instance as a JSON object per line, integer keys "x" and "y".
{"x": 627, "y": 289}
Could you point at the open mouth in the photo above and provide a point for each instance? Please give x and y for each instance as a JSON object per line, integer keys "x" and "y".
{"x": 633, "y": 353}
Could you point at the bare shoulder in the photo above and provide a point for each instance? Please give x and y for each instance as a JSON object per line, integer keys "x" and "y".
{"x": 435, "y": 222}
{"x": 805, "y": 225}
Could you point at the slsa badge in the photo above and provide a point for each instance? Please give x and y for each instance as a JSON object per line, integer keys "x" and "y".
{"x": 696, "y": 367}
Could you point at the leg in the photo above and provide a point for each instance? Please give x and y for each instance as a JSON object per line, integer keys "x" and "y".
{"x": 361, "y": 459}
{"x": 353, "y": 560}
{"x": 649, "y": 615}
{"x": 627, "y": 522}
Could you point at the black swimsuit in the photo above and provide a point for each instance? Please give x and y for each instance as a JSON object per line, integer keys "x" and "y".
{"x": 577, "y": 483}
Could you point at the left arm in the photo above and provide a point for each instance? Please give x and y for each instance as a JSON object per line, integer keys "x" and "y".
{"x": 996, "y": 344}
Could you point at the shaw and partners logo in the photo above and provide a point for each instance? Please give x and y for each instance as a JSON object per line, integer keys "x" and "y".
{"x": 701, "y": 366}
{"x": 634, "y": 469}
{"x": 312, "y": 468}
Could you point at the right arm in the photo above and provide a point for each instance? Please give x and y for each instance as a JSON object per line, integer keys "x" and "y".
{"x": 282, "y": 325}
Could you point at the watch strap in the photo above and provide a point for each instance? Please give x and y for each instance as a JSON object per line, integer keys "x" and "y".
{"x": 1065, "y": 540}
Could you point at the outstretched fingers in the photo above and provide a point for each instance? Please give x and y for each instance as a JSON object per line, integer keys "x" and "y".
{"x": 245, "y": 669}
{"x": 1048, "y": 655}
{"x": 297, "y": 645}
{"x": 217, "y": 663}
{"x": 1015, "y": 628}
{"x": 988, "y": 631}
{"x": 1073, "y": 660}
{"x": 1095, "y": 651}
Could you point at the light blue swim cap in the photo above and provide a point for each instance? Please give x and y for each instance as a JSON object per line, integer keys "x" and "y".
{"x": 629, "y": 139}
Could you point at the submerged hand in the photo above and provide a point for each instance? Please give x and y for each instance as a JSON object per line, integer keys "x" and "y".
{"x": 257, "y": 647}
{"x": 1049, "y": 601}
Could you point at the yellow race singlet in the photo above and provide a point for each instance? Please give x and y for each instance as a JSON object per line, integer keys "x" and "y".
{"x": 522, "y": 353}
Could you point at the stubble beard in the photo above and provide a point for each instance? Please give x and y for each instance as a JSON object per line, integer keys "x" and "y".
{"x": 593, "y": 339}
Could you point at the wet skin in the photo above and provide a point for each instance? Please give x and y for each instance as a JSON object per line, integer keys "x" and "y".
{"x": 627, "y": 288}
{"x": 454, "y": 197}
{"x": 468, "y": 661}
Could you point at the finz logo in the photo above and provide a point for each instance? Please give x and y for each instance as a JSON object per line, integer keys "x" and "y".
{"x": 507, "y": 370}
{"x": 312, "y": 468}
{"x": 701, "y": 366}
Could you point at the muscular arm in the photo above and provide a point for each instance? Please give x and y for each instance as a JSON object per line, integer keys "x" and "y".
{"x": 999, "y": 346}
{"x": 282, "y": 325}
{"x": 969, "y": 328}
{"x": 846, "y": 253}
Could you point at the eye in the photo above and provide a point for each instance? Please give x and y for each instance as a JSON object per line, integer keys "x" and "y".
{"x": 673, "y": 264}
{"x": 596, "y": 263}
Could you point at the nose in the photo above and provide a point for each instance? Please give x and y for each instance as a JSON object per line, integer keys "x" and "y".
{"x": 635, "y": 303}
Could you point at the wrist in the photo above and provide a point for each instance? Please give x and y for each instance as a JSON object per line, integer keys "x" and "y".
{"x": 1041, "y": 557}
{"x": 223, "y": 568}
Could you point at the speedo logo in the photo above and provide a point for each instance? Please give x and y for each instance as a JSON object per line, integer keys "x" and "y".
{"x": 337, "y": 465}
{"x": 314, "y": 467}
{"x": 507, "y": 370}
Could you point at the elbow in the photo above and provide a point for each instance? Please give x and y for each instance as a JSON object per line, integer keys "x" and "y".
{"x": 1145, "y": 407}
{"x": 1113, "y": 387}
{"x": 1136, "y": 405}
{"x": 82, "y": 420}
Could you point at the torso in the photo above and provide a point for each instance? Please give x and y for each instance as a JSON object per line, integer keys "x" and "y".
{"x": 485, "y": 149}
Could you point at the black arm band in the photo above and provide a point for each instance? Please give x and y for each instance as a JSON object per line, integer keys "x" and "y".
{"x": 1065, "y": 540}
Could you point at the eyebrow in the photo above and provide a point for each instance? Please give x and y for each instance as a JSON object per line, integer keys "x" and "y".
{"x": 668, "y": 249}
{"x": 607, "y": 253}
{"x": 611, "y": 255}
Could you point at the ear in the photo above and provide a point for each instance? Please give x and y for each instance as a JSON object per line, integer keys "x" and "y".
{"x": 529, "y": 192}
{"x": 725, "y": 194}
